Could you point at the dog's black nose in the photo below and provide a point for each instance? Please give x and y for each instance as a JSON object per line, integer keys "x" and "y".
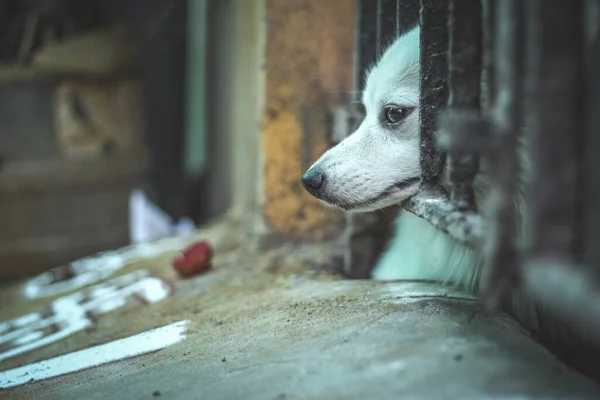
{"x": 313, "y": 179}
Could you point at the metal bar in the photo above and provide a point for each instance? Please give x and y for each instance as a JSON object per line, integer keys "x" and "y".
{"x": 432, "y": 203}
{"x": 467, "y": 131}
{"x": 465, "y": 41}
{"x": 489, "y": 28}
{"x": 590, "y": 179}
{"x": 502, "y": 257}
{"x": 386, "y": 14}
{"x": 570, "y": 293}
{"x": 407, "y": 15}
{"x": 556, "y": 86}
{"x": 367, "y": 234}
{"x": 398, "y": 18}
{"x": 367, "y": 39}
{"x": 433, "y": 19}
{"x": 464, "y": 79}
{"x": 552, "y": 273}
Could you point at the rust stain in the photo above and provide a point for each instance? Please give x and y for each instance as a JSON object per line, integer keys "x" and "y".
{"x": 309, "y": 71}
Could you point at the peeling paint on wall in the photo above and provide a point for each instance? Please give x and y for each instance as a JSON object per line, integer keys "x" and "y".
{"x": 309, "y": 72}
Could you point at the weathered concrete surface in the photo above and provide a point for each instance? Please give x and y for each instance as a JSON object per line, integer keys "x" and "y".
{"x": 272, "y": 326}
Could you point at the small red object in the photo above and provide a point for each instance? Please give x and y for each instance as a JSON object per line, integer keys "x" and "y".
{"x": 194, "y": 260}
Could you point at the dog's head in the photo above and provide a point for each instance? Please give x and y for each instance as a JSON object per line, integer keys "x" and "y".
{"x": 378, "y": 165}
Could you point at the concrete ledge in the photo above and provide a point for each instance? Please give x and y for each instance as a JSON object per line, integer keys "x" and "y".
{"x": 274, "y": 326}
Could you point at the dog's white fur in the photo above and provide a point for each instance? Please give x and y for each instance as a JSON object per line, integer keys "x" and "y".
{"x": 367, "y": 164}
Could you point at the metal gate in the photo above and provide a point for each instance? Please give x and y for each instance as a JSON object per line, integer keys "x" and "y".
{"x": 540, "y": 73}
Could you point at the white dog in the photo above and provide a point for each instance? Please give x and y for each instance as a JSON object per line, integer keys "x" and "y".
{"x": 378, "y": 166}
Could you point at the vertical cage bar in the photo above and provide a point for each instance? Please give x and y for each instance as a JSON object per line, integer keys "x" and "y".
{"x": 433, "y": 19}
{"x": 464, "y": 71}
{"x": 366, "y": 234}
{"x": 556, "y": 87}
{"x": 508, "y": 58}
{"x": 489, "y": 27}
{"x": 590, "y": 179}
{"x": 398, "y": 13}
{"x": 556, "y": 66}
{"x": 407, "y": 15}
{"x": 464, "y": 79}
{"x": 386, "y": 13}
{"x": 366, "y": 44}
{"x": 431, "y": 202}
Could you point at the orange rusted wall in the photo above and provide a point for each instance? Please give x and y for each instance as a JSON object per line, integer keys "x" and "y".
{"x": 309, "y": 71}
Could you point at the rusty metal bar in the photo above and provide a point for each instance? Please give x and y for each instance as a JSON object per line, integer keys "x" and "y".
{"x": 386, "y": 21}
{"x": 556, "y": 87}
{"x": 367, "y": 40}
{"x": 467, "y": 131}
{"x": 433, "y": 19}
{"x": 464, "y": 79}
{"x": 407, "y": 15}
{"x": 431, "y": 203}
{"x": 555, "y": 39}
{"x": 502, "y": 256}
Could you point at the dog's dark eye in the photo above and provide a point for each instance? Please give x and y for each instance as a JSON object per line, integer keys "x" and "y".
{"x": 395, "y": 114}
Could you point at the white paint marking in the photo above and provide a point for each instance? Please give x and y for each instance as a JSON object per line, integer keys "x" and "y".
{"x": 98, "y": 267}
{"x": 28, "y": 338}
{"x": 70, "y": 313}
{"x": 146, "y": 342}
{"x": 67, "y": 331}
